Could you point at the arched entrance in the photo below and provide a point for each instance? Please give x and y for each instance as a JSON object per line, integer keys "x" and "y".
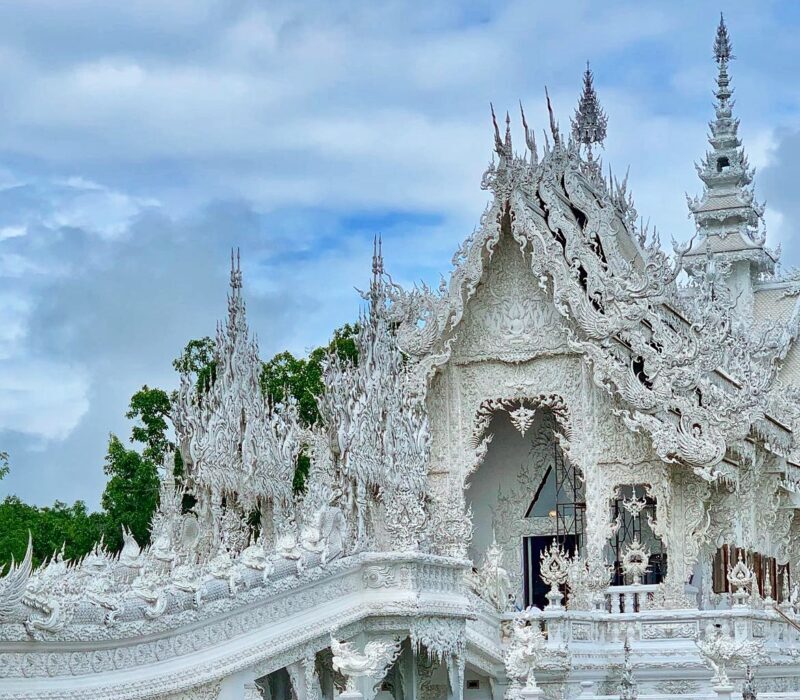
{"x": 526, "y": 492}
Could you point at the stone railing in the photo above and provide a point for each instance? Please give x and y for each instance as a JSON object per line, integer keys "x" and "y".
{"x": 676, "y": 625}
{"x": 666, "y": 660}
{"x": 630, "y": 599}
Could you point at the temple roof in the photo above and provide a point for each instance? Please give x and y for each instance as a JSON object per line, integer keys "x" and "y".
{"x": 652, "y": 342}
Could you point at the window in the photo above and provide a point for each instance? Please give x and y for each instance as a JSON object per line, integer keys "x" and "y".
{"x": 637, "y": 527}
{"x": 763, "y": 568}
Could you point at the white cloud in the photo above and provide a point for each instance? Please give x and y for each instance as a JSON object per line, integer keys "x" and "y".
{"x": 12, "y": 232}
{"x": 140, "y": 140}
{"x": 81, "y": 203}
{"x": 42, "y": 399}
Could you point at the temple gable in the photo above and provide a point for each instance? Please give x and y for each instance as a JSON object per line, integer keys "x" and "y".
{"x": 510, "y": 317}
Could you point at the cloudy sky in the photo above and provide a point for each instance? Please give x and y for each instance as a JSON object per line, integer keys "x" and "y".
{"x": 140, "y": 140}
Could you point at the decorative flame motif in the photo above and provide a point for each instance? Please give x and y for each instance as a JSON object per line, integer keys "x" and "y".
{"x": 633, "y": 505}
{"x": 554, "y": 570}
{"x": 741, "y": 578}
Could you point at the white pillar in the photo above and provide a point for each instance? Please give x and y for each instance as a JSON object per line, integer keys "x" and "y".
{"x": 238, "y": 687}
{"x": 351, "y": 695}
{"x": 724, "y": 692}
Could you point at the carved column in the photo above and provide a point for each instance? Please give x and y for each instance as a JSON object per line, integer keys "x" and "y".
{"x": 431, "y": 678}
{"x": 455, "y": 676}
{"x": 596, "y": 531}
{"x": 684, "y": 533}
{"x": 499, "y": 687}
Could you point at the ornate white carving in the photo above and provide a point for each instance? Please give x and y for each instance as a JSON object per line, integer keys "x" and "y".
{"x": 635, "y": 561}
{"x": 528, "y": 650}
{"x": 493, "y": 582}
{"x": 720, "y": 650}
{"x": 558, "y": 305}
{"x": 554, "y": 570}
{"x": 372, "y": 663}
{"x": 741, "y": 578}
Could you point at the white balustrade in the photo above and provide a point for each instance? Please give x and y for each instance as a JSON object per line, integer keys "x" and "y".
{"x": 629, "y": 599}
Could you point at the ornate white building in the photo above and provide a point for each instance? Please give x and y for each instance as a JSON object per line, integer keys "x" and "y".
{"x": 570, "y": 471}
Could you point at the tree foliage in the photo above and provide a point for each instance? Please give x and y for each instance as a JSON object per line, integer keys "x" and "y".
{"x": 131, "y": 494}
{"x": 198, "y": 359}
{"x": 302, "y": 377}
{"x": 151, "y": 408}
{"x": 52, "y": 528}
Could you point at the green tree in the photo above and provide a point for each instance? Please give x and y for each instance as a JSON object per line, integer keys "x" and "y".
{"x": 131, "y": 494}
{"x": 151, "y": 408}
{"x": 301, "y": 378}
{"x": 52, "y": 528}
{"x": 198, "y": 359}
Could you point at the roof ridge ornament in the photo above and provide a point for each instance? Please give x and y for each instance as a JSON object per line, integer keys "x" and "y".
{"x": 530, "y": 137}
{"x": 553, "y": 126}
{"x": 589, "y": 125}
{"x": 236, "y": 269}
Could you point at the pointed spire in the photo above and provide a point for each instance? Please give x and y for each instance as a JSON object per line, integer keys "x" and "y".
{"x": 502, "y": 147}
{"x": 376, "y": 283}
{"x": 723, "y": 51}
{"x": 590, "y": 121}
{"x": 727, "y": 205}
{"x": 236, "y": 323}
{"x": 377, "y": 257}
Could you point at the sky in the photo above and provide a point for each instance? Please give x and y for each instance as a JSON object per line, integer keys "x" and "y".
{"x": 140, "y": 141}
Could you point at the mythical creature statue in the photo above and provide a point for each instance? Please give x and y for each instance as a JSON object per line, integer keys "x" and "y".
{"x": 720, "y": 649}
{"x": 372, "y": 663}
{"x": 325, "y": 535}
{"x": 130, "y": 557}
{"x": 526, "y": 652}
{"x": 492, "y": 581}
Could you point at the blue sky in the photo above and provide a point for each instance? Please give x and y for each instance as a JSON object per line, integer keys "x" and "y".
{"x": 140, "y": 141}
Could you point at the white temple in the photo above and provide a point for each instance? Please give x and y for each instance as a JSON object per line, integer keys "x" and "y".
{"x": 569, "y": 472}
